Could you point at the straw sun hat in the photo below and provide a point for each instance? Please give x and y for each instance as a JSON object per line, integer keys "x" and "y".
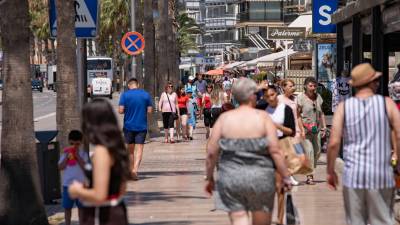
{"x": 363, "y": 74}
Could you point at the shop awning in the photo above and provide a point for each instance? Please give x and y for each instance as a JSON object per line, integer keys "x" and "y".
{"x": 270, "y": 58}
{"x": 304, "y": 20}
{"x": 233, "y": 65}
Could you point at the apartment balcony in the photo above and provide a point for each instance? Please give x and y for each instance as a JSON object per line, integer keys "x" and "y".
{"x": 226, "y": 22}
{"x": 292, "y": 9}
{"x": 220, "y": 2}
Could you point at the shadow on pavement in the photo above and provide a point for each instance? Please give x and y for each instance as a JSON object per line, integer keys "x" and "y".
{"x": 135, "y": 198}
{"x": 164, "y": 223}
{"x": 170, "y": 173}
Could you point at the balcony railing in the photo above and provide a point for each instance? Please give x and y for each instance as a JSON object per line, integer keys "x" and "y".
{"x": 211, "y": 2}
{"x": 220, "y": 22}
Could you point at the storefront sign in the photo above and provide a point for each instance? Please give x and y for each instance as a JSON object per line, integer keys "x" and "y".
{"x": 322, "y": 16}
{"x": 326, "y": 62}
{"x": 285, "y": 33}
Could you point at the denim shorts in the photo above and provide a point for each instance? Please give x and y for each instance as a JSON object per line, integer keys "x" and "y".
{"x": 135, "y": 137}
{"x": 67, "y": 202}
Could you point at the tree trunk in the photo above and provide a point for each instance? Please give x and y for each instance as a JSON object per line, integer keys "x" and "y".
{"x": 20, "y": 198}
{"x": 149, "y": 50}
{"x": 163, "y": 73}
{"x": 139, "y": 28}
{"x": 172, "y": 64}
{"x": 67, "y": 98}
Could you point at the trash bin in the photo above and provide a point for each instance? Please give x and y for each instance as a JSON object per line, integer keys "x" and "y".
{"x": 48, "y": 153}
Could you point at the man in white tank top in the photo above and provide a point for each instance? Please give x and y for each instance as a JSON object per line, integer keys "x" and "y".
{"x": 365, "y": 122}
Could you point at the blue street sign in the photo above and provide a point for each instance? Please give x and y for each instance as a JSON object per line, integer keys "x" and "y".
{"x": 322, "y": 16}
{"x": 86, "y": 18}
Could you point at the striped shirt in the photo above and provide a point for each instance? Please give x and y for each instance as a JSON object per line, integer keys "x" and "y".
{"x": 367, "y": 144}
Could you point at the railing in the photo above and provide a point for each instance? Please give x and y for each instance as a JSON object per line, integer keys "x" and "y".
{"x": 220, "y": 22}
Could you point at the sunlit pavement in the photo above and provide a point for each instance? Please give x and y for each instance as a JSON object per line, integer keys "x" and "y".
{"x": 170, "y": 190}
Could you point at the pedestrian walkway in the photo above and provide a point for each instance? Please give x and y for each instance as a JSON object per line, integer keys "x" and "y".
{"x": 170, "y": 190}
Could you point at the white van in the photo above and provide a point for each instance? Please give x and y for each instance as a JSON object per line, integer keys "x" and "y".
{"x": 101, "y": 87}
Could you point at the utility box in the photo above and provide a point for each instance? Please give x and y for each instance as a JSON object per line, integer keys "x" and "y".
{"x": 48, "y": 154}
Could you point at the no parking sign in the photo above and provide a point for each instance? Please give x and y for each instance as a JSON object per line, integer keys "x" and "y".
{"x": 132, "y": 43}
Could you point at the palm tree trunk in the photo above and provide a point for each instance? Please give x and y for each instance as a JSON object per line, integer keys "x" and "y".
{"x": 67, "y": 98}
{"x": 20, "y": 198}
{"x": 162, "y": 66}
{"x": 172, "y": 64}
{"x": 149, "y": 51}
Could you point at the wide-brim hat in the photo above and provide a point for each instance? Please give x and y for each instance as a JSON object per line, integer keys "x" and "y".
{"x": 363, "y": 74}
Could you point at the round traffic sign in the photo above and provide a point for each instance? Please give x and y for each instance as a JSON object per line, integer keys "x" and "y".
{"x": 132, "y": 43}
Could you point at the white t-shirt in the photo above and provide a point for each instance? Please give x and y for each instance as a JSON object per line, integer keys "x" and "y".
{"x": 278, "y": 116}
{"x": 74, "y": 172}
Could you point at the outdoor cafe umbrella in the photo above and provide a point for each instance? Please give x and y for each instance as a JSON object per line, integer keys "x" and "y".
{"x": 215, "y": 72}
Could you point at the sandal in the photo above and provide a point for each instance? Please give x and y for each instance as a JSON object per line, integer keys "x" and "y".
{"x": 310, "y": 180}
{"x": 166, "y": 141}
{"x": 172, "y": 141}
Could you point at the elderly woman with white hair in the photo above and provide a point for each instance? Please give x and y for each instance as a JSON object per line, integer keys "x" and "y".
{"x": 244, "y": 140}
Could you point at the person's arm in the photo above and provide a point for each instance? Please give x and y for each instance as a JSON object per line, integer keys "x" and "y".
{"x": 300, "y": 118}
{"x": 176, "y": 105}
{"x": 334, "y": 145}
{"x": 121, "y": 108}
{"x": 288, "y": 128}
{"x": 212, "y": 154}
{"x": 97, "y": 195}
{"x": 62, "y": 164}
{"x": 394, "y": 119}
{"x": 160, "y": 102}
{"x": 149, "y": 105}
{"x": 274, "y": 149}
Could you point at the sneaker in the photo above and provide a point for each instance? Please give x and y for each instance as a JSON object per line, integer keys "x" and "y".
{"x": 294, "y": 181}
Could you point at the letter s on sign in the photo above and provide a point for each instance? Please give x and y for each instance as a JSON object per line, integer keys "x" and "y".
{"x": 323, "y": 13}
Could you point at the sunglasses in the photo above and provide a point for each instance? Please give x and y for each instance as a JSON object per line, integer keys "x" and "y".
{"x": 170, "y": 86}
{"x": 315, "y": 107}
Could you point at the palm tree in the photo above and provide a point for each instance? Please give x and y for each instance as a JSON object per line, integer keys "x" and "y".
{"x": 149, "y": 51}
{"x": 114, "y": 23}
{"x": 162, "y": 48}
{"x": 68, "y": 117}
{"x": 21, "y": 202}
{"x": 187, "y": 30}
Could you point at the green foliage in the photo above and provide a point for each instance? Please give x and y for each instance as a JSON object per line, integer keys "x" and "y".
{"x": 187, "y": 30}
{"x": 38, "y": 11}
{"x": 114, "y": 22}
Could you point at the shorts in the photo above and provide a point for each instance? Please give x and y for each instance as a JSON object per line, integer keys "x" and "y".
{"x": 215, "y": 112}
{"x": 135, "y": 137}
{"x": 207, "y": 117}
{"x": 106, "y": 215}
{"x": 67, "y": 202}
{"x": 183, "y": 111}
{"x": 168, "y": 120}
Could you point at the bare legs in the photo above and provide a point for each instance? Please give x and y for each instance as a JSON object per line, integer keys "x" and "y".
{"x": 67, "y": 215}
{"x": 243, "y": 218}
{"x": 135, "y": 161}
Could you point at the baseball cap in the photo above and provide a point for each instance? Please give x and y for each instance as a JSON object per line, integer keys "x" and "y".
{"x": 191, "y": 77}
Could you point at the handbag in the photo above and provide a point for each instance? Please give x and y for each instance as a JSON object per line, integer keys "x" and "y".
{"x": 292, "y": 160}
{"x": 174, "y": 115}
{"x": 292, "y": 215}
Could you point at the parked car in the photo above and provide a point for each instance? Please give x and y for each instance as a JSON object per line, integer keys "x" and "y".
{"x": 37, "y": 85}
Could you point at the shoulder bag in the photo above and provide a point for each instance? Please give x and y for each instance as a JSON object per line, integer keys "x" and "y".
{"x": 174, "y": 115}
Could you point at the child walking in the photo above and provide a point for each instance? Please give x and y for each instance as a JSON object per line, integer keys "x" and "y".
{"x": 72, "y": 162}
{"x": 192, "y": 108}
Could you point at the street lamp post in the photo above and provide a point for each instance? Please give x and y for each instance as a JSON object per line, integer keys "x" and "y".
{"x": 133, "y": 65}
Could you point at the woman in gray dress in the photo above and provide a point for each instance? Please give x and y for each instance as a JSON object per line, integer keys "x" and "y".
{"x": 245, "y": 141}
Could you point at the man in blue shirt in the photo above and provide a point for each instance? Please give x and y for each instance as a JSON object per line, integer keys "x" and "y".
{"x": 135, "y": 104}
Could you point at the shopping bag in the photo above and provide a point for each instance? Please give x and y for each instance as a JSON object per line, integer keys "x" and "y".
{"x": 307, "y": 158}
{"x": 293, "y": 162}
{"x": 292, "y": 215}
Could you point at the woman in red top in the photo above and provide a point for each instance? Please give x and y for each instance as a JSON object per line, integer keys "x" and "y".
{"x": 207, "y": 109}
{"x": 181, "y": 125}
